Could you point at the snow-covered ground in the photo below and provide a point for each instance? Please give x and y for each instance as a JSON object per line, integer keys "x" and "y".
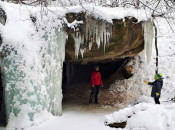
{"x": 145, "y": 116}
{"x": 76, "y": 118}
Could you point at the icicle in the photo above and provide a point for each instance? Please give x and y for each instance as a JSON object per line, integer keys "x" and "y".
{"x": 87, "y": 31}
{"x": 109, "y": 32}
{"x": 96, "y": 31}
{"x": 98, "y": 34}
{"x": 148, "y": 39}
{"x": 101, "y": 32}
{"x": 77, "y": 40}
{"x": 90, "y": 45}
{"x": 62, "y": 37}
{"x": 82, "y": 51}
{"x": 82, "y": 46}
{"x": 107, "y": 37}
{"x": 87, "y": 35}
{"x": 104, "y": 42}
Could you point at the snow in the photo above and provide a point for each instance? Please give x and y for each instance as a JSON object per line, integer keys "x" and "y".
{"x": 145, "y": 116}
{"x": 74, "y": 120}
{"x": 107, "y": 13}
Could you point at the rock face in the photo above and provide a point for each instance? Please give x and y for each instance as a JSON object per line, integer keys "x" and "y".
{"x": 3, "y": 120}
{"x": 2, "y": 20}
{"x": 118, "y": 40}
{"x": 117, "y": 125}
{"x": 2, "y": 16}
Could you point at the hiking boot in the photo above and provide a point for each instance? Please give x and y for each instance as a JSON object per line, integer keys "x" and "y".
{"x": 90, "y": 103}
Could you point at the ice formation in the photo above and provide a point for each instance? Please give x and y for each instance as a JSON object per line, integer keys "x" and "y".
{"x": 78, "y": 39}
{"x": 32, "y": 56}
{"x": 53, "y": 62}
{"x": 96, "y": 32}
{"x": 148, "y": 39}
{"x": 34, "y": 87}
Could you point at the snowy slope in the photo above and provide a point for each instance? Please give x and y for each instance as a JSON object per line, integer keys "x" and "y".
{"x": 145, "y": 117}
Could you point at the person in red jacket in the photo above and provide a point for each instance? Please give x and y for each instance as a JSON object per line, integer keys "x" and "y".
{"x": 96, "y": 83}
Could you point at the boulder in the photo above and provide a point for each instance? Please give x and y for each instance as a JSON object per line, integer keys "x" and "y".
{"x": 118, "y": 125}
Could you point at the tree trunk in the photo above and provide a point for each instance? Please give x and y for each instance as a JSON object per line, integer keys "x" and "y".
{"x": 157, "y": 51}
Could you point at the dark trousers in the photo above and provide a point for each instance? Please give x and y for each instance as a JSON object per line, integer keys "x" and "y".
{"x": 156, "y": 99}
{"x": 95, "y": 91}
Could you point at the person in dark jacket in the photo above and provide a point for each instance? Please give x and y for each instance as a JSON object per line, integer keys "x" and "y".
{"x": 156, "y": 87}
{"x": 96, "y": 82}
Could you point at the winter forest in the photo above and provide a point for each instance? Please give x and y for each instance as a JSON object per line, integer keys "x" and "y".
{"x": 87, "y": 64}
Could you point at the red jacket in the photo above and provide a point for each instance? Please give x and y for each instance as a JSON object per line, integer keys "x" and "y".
{"x": 96, "y": 78}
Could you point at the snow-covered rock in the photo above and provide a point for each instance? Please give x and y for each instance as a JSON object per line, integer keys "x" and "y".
{"x": 145, "y": 116}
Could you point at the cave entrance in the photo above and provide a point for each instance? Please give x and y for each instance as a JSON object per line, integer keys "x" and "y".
{"x": 76, "y": 79}
{"x": 2, "y": 104}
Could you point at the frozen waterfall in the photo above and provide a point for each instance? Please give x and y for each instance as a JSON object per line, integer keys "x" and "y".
{"x": 54, "y": 56}
{"x": 148, "y": 39}
{"x": 31, "y": 66}
{"x": 33, "y": 84}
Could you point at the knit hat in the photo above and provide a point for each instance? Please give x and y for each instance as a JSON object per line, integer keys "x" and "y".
{"x": 158, "y": 76}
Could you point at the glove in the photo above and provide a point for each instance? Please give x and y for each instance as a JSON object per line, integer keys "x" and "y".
{"x": 146, "y": 81}
{"x": 157, "y": 94}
